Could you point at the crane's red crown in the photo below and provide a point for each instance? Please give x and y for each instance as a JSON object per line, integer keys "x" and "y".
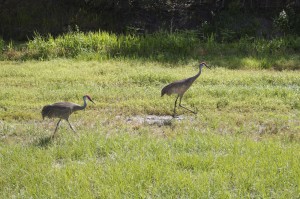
{"x": 88, "y": 97}
{"x": 204, "y": 64}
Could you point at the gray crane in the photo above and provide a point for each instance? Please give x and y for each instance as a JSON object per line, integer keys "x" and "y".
{"x": 63, "y": 110}
{"x": 180, "y": 87}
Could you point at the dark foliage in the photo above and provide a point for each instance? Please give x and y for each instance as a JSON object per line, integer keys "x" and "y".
{"x": 230, "y": 19}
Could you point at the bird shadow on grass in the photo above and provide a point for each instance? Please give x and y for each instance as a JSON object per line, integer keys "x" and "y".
{"x": 44, "y": 142}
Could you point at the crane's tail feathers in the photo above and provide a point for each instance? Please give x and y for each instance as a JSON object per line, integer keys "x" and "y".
{"x": 164, "y": 91}
{"x": 46, "y": 111}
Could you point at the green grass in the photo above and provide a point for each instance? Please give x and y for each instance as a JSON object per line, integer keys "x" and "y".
{"x": 255, "y": 53}
{"x": 243, "y": 143}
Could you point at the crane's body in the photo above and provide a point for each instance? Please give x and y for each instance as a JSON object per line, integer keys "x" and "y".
{"x": 60, "y": 110}
{"x": 180, "y": 87}
{"x": 63, "y": 110}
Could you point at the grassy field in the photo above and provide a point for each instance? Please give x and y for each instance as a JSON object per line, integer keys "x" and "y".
{"x": 243, "y": 143}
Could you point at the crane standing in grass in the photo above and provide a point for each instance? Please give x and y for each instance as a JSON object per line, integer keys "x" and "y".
{"x": 180, "y": 87}
{"x": 63, "y": 110}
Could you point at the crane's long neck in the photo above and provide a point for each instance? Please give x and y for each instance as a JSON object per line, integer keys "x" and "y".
{"x": 84, "y": 104}
{"x": 199, "y": 73}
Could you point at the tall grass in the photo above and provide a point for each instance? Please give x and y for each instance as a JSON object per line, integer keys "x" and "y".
{"x": 163, "y": 46}
{"x": 157, "y": 46}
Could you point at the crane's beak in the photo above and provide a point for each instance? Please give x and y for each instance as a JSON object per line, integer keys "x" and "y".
{"x": 92, "y": 101}
{"x": 208, "y": 66}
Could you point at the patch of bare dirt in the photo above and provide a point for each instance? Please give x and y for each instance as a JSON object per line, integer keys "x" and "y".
{"x": 159, "y": 120}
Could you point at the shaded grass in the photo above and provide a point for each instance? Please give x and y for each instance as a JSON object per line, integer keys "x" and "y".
{"x": 244, "y": 142}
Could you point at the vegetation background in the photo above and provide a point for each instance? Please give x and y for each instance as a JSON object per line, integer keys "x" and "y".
{"x": 164, "y": 30}
{"x": 228, "y": 19}
{"x": 243, "y": 143}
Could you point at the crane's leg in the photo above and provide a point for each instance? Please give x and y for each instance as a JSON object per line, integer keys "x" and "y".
{"x": 70, "y": 125}
{"x": 174, "y": 111}
{"x": 57, "y": 125}
{"x": 185, "y": 107}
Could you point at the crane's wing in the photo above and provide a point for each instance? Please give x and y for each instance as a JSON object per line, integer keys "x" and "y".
{"x": 60, "y": 110}
{"x": 64, "y": 104}
{"x": 177, "y": 87}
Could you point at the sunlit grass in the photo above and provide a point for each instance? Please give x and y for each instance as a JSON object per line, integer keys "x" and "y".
{"x": 191, "y": 164}
{"x": 243, "y": 143}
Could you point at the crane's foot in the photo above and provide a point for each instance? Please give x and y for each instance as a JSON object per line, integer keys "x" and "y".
{"x": 195, "y": 112}
{"x": 174, "y": 115}
{"x": 53, "y": 135}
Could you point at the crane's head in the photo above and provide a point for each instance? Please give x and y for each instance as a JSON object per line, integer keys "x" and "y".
{"x": 203, "y": 64}
{"x": 89, "y": 98}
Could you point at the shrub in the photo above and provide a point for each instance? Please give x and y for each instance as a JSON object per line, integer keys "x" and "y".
{"x": 282, "y": 22}
{"x": 41, "y": 48}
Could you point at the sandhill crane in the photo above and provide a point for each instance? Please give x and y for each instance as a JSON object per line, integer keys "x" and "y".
{"x": 63, "y": 110}
{"x": 180, "y": 87}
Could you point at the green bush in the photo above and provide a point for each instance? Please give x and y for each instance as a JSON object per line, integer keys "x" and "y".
{"x": 282, "y": 22}
{"x": 42, "y": 47}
